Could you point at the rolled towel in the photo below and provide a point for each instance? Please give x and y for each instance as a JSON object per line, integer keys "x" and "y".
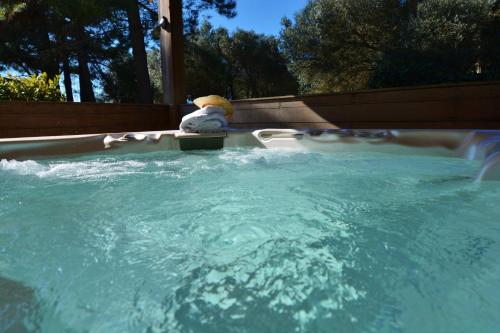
{"x": 208, "y": 119}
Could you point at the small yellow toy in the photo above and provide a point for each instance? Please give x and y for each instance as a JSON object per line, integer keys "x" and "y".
{"x": 215, "y": 100}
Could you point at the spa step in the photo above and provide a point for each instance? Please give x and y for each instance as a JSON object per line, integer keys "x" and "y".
{"x": 200, "y": 141}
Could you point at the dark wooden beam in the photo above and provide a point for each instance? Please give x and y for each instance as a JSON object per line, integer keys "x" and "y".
{"x": 172, "y": 52}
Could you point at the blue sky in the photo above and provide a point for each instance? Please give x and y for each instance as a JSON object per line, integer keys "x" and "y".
{"x": 262, "y": 16}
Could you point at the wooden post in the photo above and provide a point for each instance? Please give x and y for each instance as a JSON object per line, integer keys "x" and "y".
{"x": 172, "y": 53}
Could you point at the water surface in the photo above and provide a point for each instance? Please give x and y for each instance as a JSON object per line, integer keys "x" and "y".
{"x": 249, "y": 241}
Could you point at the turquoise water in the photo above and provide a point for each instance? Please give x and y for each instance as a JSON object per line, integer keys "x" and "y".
{"x": 249, "y": 241}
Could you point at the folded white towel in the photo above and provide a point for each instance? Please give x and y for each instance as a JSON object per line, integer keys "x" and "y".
{"x": 208, "y": 119}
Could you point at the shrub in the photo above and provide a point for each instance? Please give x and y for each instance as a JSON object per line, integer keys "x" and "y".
{"x": 34, "y": 88}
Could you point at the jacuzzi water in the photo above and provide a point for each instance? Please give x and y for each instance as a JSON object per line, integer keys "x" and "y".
{"x": 250, "y": 240}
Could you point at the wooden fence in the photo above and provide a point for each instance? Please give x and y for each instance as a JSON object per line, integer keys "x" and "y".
{"x": 462, "y": 106}
{"x": 21, "y": 119}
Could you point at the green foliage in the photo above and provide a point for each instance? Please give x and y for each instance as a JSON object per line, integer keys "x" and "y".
{"x": 33, "y": 88}
{"x": 208, "y": 66}
{"x": 154, "y": 67}
{"x": 239, "y": 65}
{"x": 337, "y": 45}
{"x": 193, "y": 9}
{"x": 445, "y": 41}
{"x": 119, "y": 81}
{"x": 10, "y": 9}
{"x": 332, "y": 45}
{"x": 259, "y": 67}
{"x": 90, "y": 37}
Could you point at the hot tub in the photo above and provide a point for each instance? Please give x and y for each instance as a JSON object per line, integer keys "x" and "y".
{"x": 481, "y": 146}
{"x": 279, "y": 231}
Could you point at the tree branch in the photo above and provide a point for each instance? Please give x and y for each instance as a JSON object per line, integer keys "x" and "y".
{"x": 144, "y": 6}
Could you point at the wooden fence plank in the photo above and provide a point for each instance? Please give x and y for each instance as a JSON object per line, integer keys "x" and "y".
{"x": 460, "y": 106}
{"x": 19, "y": 119}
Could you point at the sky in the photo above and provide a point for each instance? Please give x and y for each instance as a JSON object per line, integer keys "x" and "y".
{"x": 262, "y": 16}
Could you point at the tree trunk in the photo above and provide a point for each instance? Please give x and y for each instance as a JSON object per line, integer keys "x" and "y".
{"x": 49, "y": 49}
{"x": 145, "y": 93}
{"x": 66, "y": 67}
{"x": 68, "y": 85}
{"x": 412, "y": 6}
{"x": 86, "y": 89}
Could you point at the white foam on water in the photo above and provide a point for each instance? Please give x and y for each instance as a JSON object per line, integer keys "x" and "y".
{"x": 21, "y": 167}
{"x": 253, "y": 155}
{"x": 74, "y": 170}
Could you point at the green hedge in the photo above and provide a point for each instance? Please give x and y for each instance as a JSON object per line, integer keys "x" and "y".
{"x": 34, "y": 88}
